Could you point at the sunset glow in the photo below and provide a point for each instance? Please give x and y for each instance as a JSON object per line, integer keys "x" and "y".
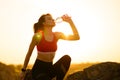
{"x": 97, "y": 21}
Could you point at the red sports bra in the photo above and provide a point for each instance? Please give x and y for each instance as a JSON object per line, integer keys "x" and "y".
{"x": 47, "y": 46}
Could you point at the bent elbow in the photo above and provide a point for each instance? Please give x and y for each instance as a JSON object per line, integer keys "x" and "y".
{"x": 77, "y": 37}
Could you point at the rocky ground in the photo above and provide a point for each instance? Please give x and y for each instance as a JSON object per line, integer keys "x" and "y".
{"x": 100, "y": 71}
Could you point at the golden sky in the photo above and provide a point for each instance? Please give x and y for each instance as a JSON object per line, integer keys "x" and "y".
{"x": 98, "y": 22}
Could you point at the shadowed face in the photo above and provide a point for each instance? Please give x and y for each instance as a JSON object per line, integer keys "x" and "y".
{"x": 49, "y": 21}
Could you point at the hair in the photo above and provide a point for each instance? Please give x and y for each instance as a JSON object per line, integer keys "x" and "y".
{"x": 39, "y": 24}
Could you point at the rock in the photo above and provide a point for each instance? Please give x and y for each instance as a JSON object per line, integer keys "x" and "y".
{"x": 100, "y": 71}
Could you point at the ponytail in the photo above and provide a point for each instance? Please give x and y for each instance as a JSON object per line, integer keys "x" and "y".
{"x": 36, "y": 27}
{"x": 39, "y": 24}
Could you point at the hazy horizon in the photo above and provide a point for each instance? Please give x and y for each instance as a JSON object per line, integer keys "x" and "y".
{"x": 97, "y": 21}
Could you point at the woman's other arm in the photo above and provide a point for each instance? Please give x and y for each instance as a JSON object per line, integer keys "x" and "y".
{"x": 74, "y": 36}
{"x": 36, "y": 38}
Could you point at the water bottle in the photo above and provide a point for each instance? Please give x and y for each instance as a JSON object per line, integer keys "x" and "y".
{"x": 58, "y": 20}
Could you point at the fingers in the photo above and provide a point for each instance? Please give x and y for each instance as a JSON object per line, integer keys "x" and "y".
{"x": 66, "y": 16}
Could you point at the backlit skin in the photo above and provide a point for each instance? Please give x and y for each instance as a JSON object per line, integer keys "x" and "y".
{"x": 47, "y": 26}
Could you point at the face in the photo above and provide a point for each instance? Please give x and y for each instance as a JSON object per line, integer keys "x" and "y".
{"x": 49, "y": 21}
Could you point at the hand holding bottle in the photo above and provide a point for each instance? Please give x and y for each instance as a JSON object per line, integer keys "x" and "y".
{"x": 65, "y": 18}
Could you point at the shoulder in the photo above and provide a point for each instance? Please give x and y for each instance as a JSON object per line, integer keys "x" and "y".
{"x": 37, "y": 36}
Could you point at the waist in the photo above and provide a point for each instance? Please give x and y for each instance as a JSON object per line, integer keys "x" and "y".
{"x": 46, "y": 56}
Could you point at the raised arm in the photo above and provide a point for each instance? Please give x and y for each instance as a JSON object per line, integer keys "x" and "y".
{"x": 74, "y": 36}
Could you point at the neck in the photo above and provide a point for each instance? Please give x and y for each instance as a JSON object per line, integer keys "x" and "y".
{"x": 48, "y": 30}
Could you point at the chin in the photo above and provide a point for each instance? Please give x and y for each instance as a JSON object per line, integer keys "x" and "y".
{"x": 53, "y": 25}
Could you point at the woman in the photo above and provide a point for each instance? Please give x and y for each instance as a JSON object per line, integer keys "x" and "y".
{"x": 46, "y": 42}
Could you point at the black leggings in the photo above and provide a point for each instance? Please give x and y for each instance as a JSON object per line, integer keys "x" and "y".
{"x": 46, "y": 70}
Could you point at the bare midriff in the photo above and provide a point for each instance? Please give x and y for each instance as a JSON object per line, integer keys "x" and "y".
{"x": 46, "y": 56}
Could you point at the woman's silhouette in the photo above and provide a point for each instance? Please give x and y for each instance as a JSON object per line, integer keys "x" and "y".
{"x": 46, "y": 43}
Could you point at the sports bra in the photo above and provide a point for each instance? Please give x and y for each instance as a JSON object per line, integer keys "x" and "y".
{"x": 47, "y": 46}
